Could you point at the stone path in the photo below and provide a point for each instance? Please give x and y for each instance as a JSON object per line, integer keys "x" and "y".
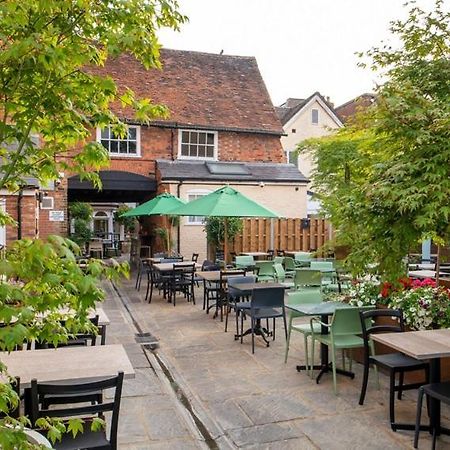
{"x": 241, "y": 400}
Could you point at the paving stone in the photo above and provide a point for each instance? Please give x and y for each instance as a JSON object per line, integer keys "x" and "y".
{"x": 229, "y": 414}
{"x": 268, "y": 408}
{"x": 262, "y": 434}
{"x": 165, "y": 424}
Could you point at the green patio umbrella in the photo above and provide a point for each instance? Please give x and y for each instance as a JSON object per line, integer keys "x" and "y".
{"x": 224, "y": 202}
{"x": 158, "y": 206}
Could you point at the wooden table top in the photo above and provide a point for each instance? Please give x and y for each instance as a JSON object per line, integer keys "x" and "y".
{"x": 254, "y": 254}
{"x": 67, "y": 363}
{"x": 213, "y": 275}
{"x": 167, "y": 267}
{"x": 427, "y": 344}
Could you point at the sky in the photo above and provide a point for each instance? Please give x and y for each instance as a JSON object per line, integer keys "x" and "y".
{"x": 302, "y": 46}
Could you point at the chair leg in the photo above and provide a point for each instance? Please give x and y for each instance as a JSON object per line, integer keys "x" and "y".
{"x": 227, "y": 310}
{"x": 418, "y": 417}
{"x": 392, "y": 400}
{"x": 273, "y": 332}
{"x": 288, "y": 340}
{"x": 253, "y": 335}
{"x": 313, "y": 351}
{"x": 305, "y": 341}
{"x": 364, "y": 384}
{"x": 333, "y": 364}
{"x": 242, "y": 327}
{"x": 343, "y": 359}
{"x": 400, "y": 384}
{"x": 285, "y": 326}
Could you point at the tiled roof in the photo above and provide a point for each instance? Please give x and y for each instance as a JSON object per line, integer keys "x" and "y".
{"x": 292, "y": 106}
{"x": 349, "y": 109}
{"x": 200, "y": 89}
{"x": 244, "y": 171}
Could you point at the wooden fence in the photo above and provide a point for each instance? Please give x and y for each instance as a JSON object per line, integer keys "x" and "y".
{"x": 288, "y": 234}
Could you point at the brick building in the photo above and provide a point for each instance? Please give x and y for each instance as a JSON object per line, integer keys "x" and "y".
{"x": 220, "y": 112}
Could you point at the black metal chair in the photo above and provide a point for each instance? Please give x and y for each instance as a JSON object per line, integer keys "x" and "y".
{"x": 182, "y": 280}
{"x": 280, "y": 253}
{"x": 234, "y": 295}
{"x": 87, "y": 439}
{"x": 438, "y": 391}
{"x": 209, "y": 287}
{"x": 394, "y": 363}
{"x": 155, "y": 280}
{"x": 221, "y": 291}
{"x": 266, "y": 303}
{"x": 270, "y": 253}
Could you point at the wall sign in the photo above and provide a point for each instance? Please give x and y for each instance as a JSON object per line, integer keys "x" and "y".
{"x": 56, "y": 216}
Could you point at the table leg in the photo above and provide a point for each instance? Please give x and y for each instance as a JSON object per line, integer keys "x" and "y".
{"x": 259, "y": 331}
{"x": 435, "y": 405}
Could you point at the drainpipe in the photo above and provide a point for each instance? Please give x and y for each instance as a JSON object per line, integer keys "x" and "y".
{"x": 178, "y": 226}
{"x": 19, "y": 214}
{"x": 172, "y": 142}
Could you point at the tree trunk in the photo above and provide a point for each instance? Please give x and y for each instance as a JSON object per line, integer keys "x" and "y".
{"x": 438, "y": 263}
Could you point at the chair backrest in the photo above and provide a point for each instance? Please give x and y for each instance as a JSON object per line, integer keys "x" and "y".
{"x": 244, "y": 261}
{"x": 278, "y": 259}
{"x": 346, "y": 321}
{"x": 271, "y": 297}
{"x": 270, "y": 253}
{"x": 40, "y": 389}
{"x": 280, "y": 252}
{"x": 307, "y": 277}
{"x": 232, "y": 292}
{"x": 307, "y": 296}
{"x": 183, "y": 271}
{"x": 289, "y": 263}
{"x": 194, "y": 257}
{"x": 265, "y": 267}
{"x": 279, "y": 272}
{"x": 171, "y": 260}
{"x": 322, "y": 265}
{"x": 303, "y": 256}
{"x": 369, "y": 326}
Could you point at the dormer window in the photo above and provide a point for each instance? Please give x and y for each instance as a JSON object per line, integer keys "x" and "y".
{"x": 129, "y": 145}
{"x": 196, "y": 144}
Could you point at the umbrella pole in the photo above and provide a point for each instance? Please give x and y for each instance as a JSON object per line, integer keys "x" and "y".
{"x": 225, "y": 240}
{"x": 168, "y": 235}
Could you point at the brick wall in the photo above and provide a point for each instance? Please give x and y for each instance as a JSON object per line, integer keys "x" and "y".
{"x": 28, "y": 215}
{"x": 47, "y": 227}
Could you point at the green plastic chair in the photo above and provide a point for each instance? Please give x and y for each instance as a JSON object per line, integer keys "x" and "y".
{"x": 265, "y": 270}
{"x": 307, "y": 296}
{"x": 302, "y": 259}
{"x": 307, "y": 278}
{"x": 278, "y": 260}
{"x": 289, "y": 267}
{"x": 280, "y": 275}
{"x": 344, "y": 332}
{"x": 244, "y": 261}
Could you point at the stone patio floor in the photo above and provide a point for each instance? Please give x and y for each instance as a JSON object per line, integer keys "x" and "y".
{"x": 202, "y": 389}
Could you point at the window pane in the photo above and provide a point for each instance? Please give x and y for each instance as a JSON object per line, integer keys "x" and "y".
{"x": 185, "y": 137}
{"x": 132, "y": 133}
{"x": 211, "y": 138}
{"x": 132, "y": 147}
{"x": 210, "y": 152}
{"x": 185, "y": 149}
{"x": 123, "y": 147}
{"x": 105, "y": 144}
{"x": 201, "y": 151}
{"x": 105, "y": 133}
{"x": 202, "y": 138}
{"x": 293, "y": 158}
{"x": 194, "y": 137}
{"x": 193, "y": 150}
{"x": 315, "y": 116}
{"x": 114, "y": 147}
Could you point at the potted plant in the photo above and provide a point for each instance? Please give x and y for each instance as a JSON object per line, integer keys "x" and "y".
{"x": 129, "y": 224}
{"x": 81, "y": 214}
{"x": 214, "y": 227}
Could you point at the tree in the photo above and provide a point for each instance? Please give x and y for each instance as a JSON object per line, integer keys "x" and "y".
{"x": 215, "y": 229}
{"x": 47, "y": 91}
{"x": 384, "y": 181}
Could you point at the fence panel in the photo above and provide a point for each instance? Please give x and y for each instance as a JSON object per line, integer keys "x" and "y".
{"x": 288, "y": 235}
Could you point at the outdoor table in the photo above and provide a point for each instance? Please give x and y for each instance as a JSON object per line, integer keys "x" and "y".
{"x": 323, "y": 310}
{"x": 292, "y": 252}
{"x": 255, "y": 254}
{"x": 429, "y": 345}
{"x": 66, "y": 364}
{"x": 247, "y": 289}
{"x": 168, "y": 267}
